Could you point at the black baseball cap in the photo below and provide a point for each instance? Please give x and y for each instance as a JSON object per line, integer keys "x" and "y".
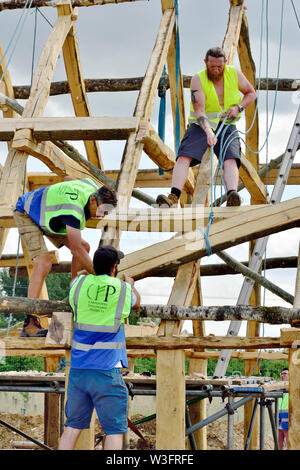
{"x": 106, "y": 256}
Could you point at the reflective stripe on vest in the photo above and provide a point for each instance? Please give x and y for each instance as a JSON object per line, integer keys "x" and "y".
{"x": 99, "y": 344}
{"x": 210, "y": 116}
{"x": 231, "y": 97}
{"x": 105, "y": 345}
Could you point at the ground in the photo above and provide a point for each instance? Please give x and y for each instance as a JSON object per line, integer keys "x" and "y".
{"x": 33, "y": 426}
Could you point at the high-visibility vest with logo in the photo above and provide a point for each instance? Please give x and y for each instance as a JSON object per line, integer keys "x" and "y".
{"x": 61, "y": 199}
{"x": 99, "y": 304}
{"x": 283, "y": 412}
{"x": 213, "y": 109}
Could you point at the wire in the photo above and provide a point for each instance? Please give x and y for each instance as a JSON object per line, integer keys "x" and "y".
{"x": 295, "y": 13}
{"x": 45, "y": 17}
{"x": 20, "y": 26}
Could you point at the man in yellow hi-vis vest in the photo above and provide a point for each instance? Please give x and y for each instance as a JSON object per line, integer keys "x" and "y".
{"x": 215, "y": 96}
{"x": 100, "y": 304}
{"x": 59, "y": 212}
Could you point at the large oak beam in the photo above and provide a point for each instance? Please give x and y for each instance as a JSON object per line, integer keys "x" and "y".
{"x": 71, "y": 128}
{"x": 270, "y": 315}
{"x": 16, "y": 4}
{"x": 77, "y": 86}
{"x": 224, "y": 234}
{"x": 218, "y": 269}
{"x": 133, "y": 150}
{"x": 97, "y": 85}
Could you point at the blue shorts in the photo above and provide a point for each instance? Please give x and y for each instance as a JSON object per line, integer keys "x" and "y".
{"x": 103, "y": 390}
{"x": 194, "y": 144}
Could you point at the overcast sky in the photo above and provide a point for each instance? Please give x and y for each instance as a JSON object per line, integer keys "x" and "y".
{"x": 116, "y": 41}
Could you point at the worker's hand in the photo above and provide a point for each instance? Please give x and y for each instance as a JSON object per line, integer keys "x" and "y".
{"x": 211, "y": 137}
{"x": 128, "y": 279}
{"x": 83, "y": 272}
{"x": 233, "y": 112}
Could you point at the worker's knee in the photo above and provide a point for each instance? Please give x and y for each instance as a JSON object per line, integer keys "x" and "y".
{"x": 43, "y": 264}
{"x": 183, "y": 160}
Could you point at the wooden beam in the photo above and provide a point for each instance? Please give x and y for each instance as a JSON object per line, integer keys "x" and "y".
{"x": 13, "y": 172}
{"x": 149, "y": 178}
{"x": 271, "y": 315}
{"x": 16, "y": 4}
{"x": 224, "y": 234}
{"x": 261, "y": 280}
{"x": 218, "y": 269}
{"x": 209, "y": 342}
{"x": 71, "y": 128}
{"x": 231, "y": 38}
{"x": 175, "y": 82}
{"x": 11, "y": 261}
{"x": 160, "y": 153}
{"x": 252, "y": 181}
{"x": 244, "y": 355}
{"x": 294, "y": 371}
{"x": 94, "y": 85}
{"x": 251, "y": 115}
{"x": 133, "y": 150}
{"x": 58, "y": 161}
{"x": 166, "y": 343}
{"x": 8, "y": 88}
{"x": 77, "y": 85}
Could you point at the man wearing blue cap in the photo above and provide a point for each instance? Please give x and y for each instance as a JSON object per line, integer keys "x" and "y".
{"x": 100, "y": 303}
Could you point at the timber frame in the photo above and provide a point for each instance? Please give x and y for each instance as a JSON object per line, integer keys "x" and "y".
{"x": 27, "y": 132}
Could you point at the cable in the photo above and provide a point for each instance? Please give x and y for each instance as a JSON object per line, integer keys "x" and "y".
{"x": 23, "y": 18}
{"x": 295, "y": 13}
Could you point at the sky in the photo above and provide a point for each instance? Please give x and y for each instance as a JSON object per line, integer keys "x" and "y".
{"x": 116, "y": 41}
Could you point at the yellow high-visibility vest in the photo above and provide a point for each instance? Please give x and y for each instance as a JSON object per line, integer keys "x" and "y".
{"x": 213, "y": 109}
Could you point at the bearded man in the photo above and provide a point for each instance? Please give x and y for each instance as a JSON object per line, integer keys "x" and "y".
{"x": 215, "y": 96}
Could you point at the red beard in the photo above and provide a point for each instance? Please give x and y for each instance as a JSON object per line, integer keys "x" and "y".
{"x": 214, "y": 76}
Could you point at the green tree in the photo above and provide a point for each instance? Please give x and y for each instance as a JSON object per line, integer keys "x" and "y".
{"x": 58, "y": 287}
{"x": 9, "y": 287}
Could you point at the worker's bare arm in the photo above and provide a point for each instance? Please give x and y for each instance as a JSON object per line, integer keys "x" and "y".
{"x": 137, "y": 295}
{"x": 198, "y": 101}
{"x": 249, "y": 95}
{"x": 76, "y": 246}
{"x": 247, "y": 89}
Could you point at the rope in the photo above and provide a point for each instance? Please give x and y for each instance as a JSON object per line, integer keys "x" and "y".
{"x": 177, "y": 68}
{"x": 17, "y": 34}
{"x": 295, "y": 13}
{"x": 277, "y": 79}
{"x": 211, "y": 213}
{"x": 162, "y": 110}
{"x": 162, "y": 95}
{"x": 62, "y": 364}
{"x": 24, "y": 180}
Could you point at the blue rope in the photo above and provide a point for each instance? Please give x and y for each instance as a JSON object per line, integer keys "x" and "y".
{"x": 162, "y": 95}
{"x": 177, "y": 68}
{"x": 162, "y": 111}
{"x": 63, "y": 363}
{"x": 277, "y": 79}
{"x": 221, "y": 130}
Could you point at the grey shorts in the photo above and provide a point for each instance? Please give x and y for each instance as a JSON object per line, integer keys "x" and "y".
{"x": 194, "y": 144}
{"x": 33, "y": 237}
